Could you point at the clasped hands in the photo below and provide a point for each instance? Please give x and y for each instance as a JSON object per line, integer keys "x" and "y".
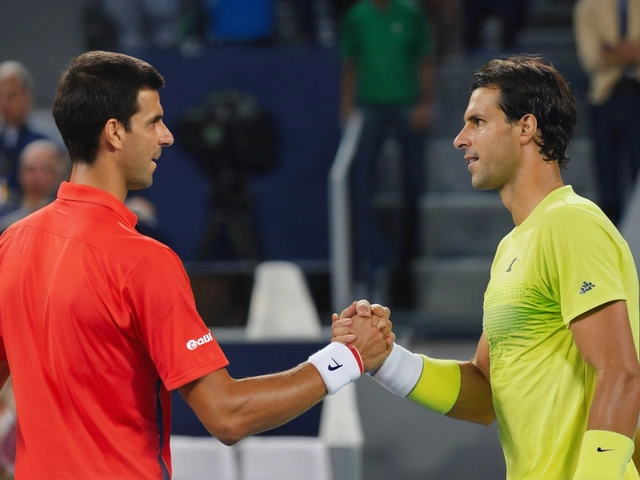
{"x": 368, "y": 328}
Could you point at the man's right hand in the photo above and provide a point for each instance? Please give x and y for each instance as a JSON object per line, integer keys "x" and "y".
{"x": 369, "y": 329}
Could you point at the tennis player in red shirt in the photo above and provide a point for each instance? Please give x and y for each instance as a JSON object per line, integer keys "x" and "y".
{"x": 98, "y": 323}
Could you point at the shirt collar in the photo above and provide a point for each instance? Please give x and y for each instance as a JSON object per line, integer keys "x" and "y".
{"x": 75, "y": 192}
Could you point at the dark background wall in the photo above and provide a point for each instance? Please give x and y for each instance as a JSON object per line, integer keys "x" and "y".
{"x": 299, "y": 86}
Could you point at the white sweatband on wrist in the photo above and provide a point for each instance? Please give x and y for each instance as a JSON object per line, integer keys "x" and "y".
{"x": 400, "y": 371}
{"x": 338, "y": 364}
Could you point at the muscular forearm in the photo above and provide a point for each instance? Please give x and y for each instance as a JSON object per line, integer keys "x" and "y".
{"x": 456, "y": 389}
{"x": 474, "y": 403}
{"x": 233, "y": 409}
{"x": 253, "y": 405}
{"x": 605, "y": 341}
{"x": 616, "y": 403}
{"x": 612, "y": 423}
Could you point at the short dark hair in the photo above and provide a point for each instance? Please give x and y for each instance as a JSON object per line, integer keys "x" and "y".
{"x": 531, "y": 85}
{"x": 95, "y": 87}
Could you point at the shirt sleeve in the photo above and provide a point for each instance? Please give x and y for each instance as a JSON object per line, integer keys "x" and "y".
{"x": 585, "y": 264}
{"x": 179, "y": 343}
{"x": 588, "y": 40}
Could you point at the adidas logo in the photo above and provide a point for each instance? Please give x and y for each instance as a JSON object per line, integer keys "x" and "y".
{"x": 586, "y": 286}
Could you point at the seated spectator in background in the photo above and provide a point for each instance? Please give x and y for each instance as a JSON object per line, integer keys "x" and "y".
{"x": 16, "y": 96}
{"x": 608, "y": 40}
{"x": 42, "y": 166}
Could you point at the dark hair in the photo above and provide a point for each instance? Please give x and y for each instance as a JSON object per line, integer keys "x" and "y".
{"x": 531, "y": 85}
{"x": 96, "y": 87}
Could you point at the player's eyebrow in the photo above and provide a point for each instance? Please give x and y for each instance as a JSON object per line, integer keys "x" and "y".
{"x": 472, "y": 117}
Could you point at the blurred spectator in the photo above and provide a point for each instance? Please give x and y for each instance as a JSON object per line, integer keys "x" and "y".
{"x": 132, "y": 24}
{"x": 388, "y": 70}
{"x": 511, "y": 13}
{"x": 608, "y": 40}
{"x": 308, "y": 21}
{"x": 41, "y": 168}
{"x": 243, "y": 21}
{"x": 126, "y": 25}
{"x": 16, "y": 97}
{"x": 147, "y": 220}
{"x": 443, "y": 16}
{"x": 7, "y": 432}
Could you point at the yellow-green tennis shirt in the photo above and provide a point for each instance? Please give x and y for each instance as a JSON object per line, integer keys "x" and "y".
{"x": 565, "y": 259}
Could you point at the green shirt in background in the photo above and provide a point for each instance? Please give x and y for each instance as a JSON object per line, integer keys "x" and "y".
{"x": 387, "y": 46}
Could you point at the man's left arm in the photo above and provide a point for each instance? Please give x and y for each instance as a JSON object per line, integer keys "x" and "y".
{"x": 423, "y": 45}
{"x": 423, "y": 112}
{"x": 605, "y": 341}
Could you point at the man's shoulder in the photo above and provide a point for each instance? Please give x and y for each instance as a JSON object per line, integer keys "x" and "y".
{"x": 115, "y": 239}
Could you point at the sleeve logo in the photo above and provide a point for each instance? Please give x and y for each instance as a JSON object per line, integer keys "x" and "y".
{"x": 193, "y": 344}
{"x": 586, "y": 286}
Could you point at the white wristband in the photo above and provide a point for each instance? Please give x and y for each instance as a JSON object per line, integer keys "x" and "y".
{"x": 400, "y": 371}
{"x": 339, "y": 365}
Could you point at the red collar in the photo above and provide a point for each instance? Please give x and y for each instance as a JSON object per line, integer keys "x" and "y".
{"x": 83, "y": 193}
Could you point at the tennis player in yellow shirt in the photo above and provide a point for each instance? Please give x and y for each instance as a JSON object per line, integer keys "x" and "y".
{"x": 557, "y": 363}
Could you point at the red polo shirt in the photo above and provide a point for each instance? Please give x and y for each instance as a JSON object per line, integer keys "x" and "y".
{"x": 97, "y": 323}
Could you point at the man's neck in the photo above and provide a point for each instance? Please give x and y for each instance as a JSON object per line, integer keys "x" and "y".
{"x": 524, "y": 194}
{"x": 99, "y": 176}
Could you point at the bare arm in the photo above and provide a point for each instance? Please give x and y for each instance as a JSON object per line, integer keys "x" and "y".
{"x": 233, "y": 409}
{"x": 622, "y": 54}
{"x": 423, "y": 112}
{"x": 603, "y": 337}
{"x": 475, "y": 403}
{"x": 347, "y": 90}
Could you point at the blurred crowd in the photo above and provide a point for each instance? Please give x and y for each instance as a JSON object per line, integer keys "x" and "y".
{"x": 190, "y": 24}
{"x": 391, "y": 81}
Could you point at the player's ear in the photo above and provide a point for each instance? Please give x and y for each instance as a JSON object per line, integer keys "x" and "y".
{"x": 113, "y": 131}
{"x": 528, "y": 128}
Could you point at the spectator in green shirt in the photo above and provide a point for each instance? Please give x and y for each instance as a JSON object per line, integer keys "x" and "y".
{"x": 388, "y": 64}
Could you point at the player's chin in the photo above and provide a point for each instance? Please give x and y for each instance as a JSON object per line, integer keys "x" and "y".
{"x": 141, "y": 183}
